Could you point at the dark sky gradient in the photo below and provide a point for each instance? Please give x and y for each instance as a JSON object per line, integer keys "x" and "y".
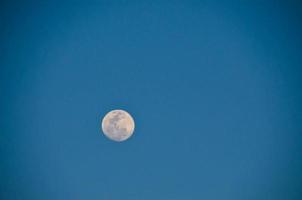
{"x": 214, "y": 88}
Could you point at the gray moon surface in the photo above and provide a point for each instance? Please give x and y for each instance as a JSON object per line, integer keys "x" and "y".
{"x": 118, "y": 125}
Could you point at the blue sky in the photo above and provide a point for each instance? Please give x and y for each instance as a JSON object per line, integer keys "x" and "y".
{"x": 214, "y": 88}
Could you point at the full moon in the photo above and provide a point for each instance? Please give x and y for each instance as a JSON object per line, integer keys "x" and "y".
{"x": 118, "y": 125}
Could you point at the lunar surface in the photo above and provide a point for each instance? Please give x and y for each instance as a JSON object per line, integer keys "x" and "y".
{"x": 118, "y": 125}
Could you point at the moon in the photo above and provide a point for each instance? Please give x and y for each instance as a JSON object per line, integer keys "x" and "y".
{"x": 118, "y": 125}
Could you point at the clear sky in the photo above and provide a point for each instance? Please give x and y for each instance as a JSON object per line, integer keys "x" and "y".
{"x": 214, "y": 88}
